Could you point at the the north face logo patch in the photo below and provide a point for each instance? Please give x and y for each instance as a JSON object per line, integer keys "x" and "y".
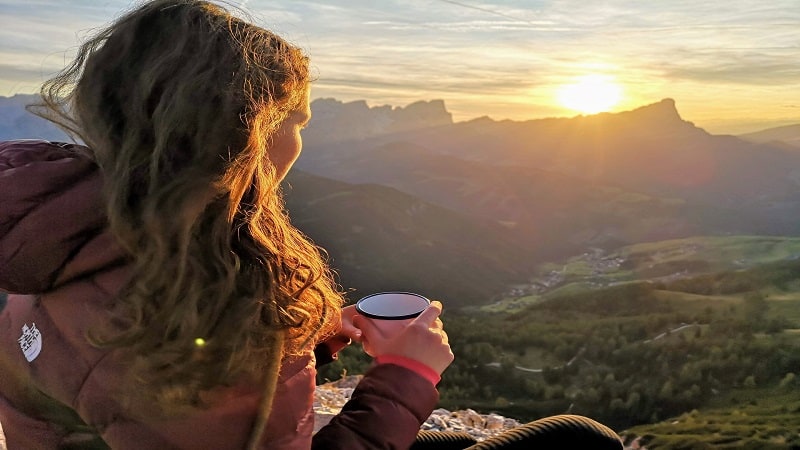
{"x": 30, "y": 342}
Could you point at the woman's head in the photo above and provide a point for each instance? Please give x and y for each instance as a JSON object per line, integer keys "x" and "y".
{"x": 181, "y": 83}
{"x": 193, "y": 116}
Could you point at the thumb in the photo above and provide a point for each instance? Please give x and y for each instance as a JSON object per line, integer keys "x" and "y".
{"x": 428, "y": 317}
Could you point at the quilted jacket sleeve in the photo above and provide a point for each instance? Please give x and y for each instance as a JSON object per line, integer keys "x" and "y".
{"x": 385, "y": 411}
{"x": 40, "y": 226}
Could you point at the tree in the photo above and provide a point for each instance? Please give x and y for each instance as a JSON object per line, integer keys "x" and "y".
{"x": 755, "y": 309}
{"x": 789, "y": 381}
{"x": 633, "y": 402}
{"x": 667, "y": 391}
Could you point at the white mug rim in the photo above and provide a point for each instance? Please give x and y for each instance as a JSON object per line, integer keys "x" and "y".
{"x": 402, "y": 317}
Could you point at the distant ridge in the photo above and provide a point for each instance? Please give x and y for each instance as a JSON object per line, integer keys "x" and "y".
{"x": 656, "y": 120}
{"x": 600, "y": 180}
{"x": 404, "y": 197}
{"x": 342, "y": 121}
{"x": 17, "y": 123}
{"x": 789, "y": 134}
{"x": 337, "y": 121}
{"x": 661, "y": 112}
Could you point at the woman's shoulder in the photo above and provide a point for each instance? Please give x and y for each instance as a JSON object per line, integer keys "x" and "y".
{"x": 23, "y": 152}
{"x": 49, "y": 194}
{"x": 35, "y": 170}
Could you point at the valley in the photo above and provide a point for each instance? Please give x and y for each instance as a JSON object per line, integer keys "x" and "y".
{"x": 673, "y": 363}
{"x": 630, "y": 267}
{"x": 655, "y": 262}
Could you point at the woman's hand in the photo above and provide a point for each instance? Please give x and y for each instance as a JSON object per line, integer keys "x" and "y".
{"x": 347, "y": 331}
{"x": 423, "y": 339}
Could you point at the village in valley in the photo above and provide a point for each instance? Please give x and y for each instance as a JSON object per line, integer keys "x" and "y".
{"x": 598, "y": 268}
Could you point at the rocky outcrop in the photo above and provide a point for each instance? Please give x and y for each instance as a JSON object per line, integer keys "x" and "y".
{"x": 329, "y": 399}
{"x": 336, "y": 121}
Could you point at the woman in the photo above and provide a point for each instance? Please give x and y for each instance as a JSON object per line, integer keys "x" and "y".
{"x": 160, "y": 296}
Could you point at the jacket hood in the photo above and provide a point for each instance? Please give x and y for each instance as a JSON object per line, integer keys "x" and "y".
{"x": 50, "y": 208}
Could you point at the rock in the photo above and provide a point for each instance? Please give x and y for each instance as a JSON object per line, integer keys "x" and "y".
{"x": 495, "y": 422}
{"x": 472, "y": 419}
{"x": 330, "y": 397}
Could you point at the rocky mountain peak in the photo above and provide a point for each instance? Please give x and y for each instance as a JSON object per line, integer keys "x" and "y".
{"x": 658, "y": 119}
{"x": 334, "y": 120}
{"x": 664, "y": 110}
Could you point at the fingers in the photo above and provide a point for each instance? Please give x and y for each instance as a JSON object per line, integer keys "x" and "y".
{"x": 348, "y": 312}
{"x": 366, "y": 327}
{"x": 351, "y": 331}
{"x": 429, "y": 316}
{"x": 349, "y": 328}
{"x": 359, "y": 322}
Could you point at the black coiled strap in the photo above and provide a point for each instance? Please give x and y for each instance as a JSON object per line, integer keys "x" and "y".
{"x": 556, "y": 432}
{"x": 442, "y": 440}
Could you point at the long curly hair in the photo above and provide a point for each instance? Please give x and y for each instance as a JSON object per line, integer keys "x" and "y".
{"x": 178, "y": 101}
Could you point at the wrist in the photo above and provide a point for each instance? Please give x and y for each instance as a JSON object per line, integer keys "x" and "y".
{"x": 419, "y": 368}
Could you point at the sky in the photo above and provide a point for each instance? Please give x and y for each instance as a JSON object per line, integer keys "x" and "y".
{"x": 732, "y": 66}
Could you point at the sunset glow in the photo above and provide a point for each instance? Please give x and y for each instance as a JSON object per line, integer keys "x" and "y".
{"x": 731, "y": 69}
{"x": 590, "y": 94}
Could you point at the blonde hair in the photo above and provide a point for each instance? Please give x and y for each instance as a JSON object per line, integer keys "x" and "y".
{"x": 178, "y": 101}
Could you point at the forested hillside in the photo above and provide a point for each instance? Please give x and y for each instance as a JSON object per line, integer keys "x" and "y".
{"x": 638, "y": 353}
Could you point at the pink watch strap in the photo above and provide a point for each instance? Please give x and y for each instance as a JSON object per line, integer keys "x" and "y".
{"x": 412, "y": 364}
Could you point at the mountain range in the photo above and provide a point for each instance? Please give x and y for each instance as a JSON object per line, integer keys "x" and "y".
{"x": 404, "y": 198}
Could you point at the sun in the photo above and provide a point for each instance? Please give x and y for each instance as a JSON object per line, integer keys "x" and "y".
{"x": 590, "y": 94}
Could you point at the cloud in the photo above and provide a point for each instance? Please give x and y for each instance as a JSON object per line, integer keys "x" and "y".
{"x": 23, "y": 73}
{"x": 741, "y": 67}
